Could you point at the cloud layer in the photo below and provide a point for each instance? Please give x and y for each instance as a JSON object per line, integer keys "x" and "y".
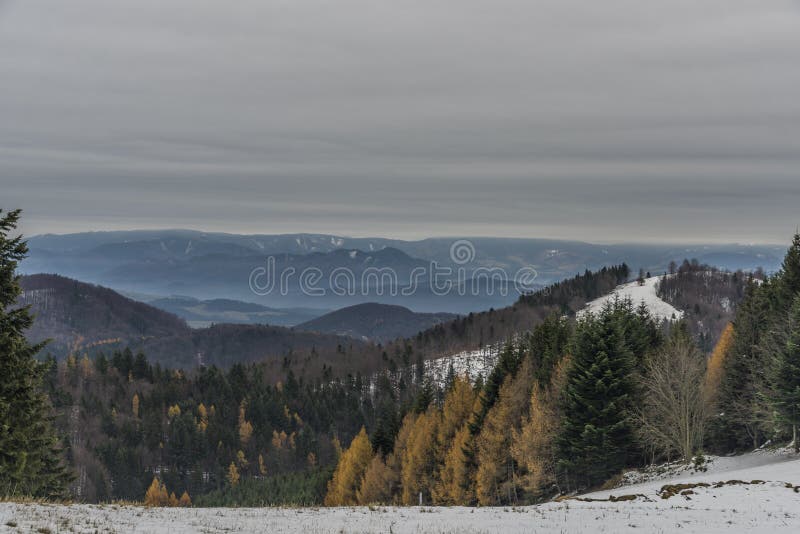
{"x": 603, "y": 121}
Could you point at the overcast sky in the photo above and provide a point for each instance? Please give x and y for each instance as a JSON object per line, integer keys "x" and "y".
{"x": 672, "y": 120}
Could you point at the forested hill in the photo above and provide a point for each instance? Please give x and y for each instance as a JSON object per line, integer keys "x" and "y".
{"x": 81, "y": 317}
{"x": 78, "y": 316}
{"x": 85, "y": 318}
{"x": 492, "y": 326}
{"x": 375, "y": 321}
{"x": 708, "y": 296}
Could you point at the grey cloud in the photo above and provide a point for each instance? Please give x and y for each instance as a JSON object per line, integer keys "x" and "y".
{"x": 613, "y": 121}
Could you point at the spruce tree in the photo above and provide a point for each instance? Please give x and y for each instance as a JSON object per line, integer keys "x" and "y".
{"x": 739, "y": 424}
{"x": 784, "y": 390}
{"x": 30, "y": 458}
{"x": 790, "y": 273}
{"x": 596, "y": 437}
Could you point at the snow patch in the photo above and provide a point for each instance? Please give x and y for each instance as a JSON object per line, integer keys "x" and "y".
{"x": 637, "y": 293}
{"x": 472, "y": 363}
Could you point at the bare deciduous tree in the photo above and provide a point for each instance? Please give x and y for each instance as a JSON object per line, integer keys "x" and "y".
{"x": 675, "y": 408}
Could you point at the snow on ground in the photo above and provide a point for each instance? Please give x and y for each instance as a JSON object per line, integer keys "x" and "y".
{"x": 767, "y": 502}
{"x": 472, "y": 363}
{"x": 637, "y": 294}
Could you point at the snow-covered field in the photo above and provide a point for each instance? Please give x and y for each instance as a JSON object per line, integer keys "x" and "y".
{"x": 637, "y": 294}
{"x": 756, "y": 492}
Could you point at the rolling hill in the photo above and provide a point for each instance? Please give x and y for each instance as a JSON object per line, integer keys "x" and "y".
{"x": 376, "y": 322}
{"x": 77, "y": 316}
{"x": 85, "y": 318}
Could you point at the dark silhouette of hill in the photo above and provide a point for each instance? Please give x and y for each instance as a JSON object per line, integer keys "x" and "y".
{"x": 374, "y": 321}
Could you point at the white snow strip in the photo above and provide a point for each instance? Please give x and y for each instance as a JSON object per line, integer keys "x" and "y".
{"x": 766, "y": 507}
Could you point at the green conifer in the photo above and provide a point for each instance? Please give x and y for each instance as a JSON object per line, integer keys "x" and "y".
{"x": 596, "y": 438}
{"x": 30, "y": 458}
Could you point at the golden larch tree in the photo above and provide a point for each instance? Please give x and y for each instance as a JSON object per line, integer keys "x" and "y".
{"x": 716, "y": 364}
{"x": 349, "y": 474}
{"x": 233, "y": 475}
{"x": 202, "y": 414}
{"x": 454, "y": 485}
{"x": 245, "y": 427}
{"x": 379, "y": 483}
{"x": 419, "y": 459}
{"x": 495, "y": 478}
{"x": 532, "y": 446}
{"x": 458, "y": 407}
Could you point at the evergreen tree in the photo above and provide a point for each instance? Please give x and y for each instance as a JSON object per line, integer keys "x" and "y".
{"x": 715, "y": 378}
{"x": 739, "y": 424}
{"x": 784, "y": 383}
{"x": 596, "y": 437}
{"x": 790, "y": 274}
{"x": 507, "y": 364}
{"x": 546, "y": 345}
{"x": 30, "y": 458}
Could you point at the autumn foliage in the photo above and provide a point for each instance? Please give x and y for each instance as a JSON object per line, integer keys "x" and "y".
{"x": 716, "y": 363}
{"x": 158, "y": 495}
{"x": 349, "y": 474}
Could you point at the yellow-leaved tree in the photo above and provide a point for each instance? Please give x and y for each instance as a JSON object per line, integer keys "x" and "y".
{"x": 202, "y": 413}
{"x": 156, "y": 494}
{"x": 716, "y": 364}
{"x": 452, "y": 484}
{"x": 349, "y": 474}
{"x": 245, "y": 427}
{"x": 233, "y": 475}
{"x": 379, "y": 483}
{"x": 394, "y": 461}
{"x": 532, "y": 446}
{"x": 455, "y": 485}
{"x": 419, "y": 459}
{"x": 495, "y": 478}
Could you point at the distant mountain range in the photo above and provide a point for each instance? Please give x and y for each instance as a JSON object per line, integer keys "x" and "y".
{"x": 376, "y": 322}
{"x": 211, "y": 266}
